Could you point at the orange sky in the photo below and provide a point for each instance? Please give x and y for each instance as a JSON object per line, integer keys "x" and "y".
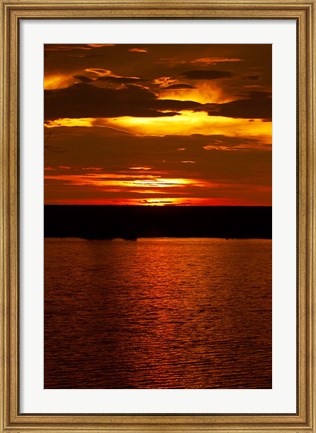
{"x": 158, "y": 124}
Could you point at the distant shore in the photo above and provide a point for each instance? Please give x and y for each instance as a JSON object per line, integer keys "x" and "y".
{"x": 132, "y": 222}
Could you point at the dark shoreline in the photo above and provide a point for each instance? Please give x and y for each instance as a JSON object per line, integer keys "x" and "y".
{"x": 132, "y": 222}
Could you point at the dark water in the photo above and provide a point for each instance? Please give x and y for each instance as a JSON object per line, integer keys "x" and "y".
{"x": 158, "y": 313}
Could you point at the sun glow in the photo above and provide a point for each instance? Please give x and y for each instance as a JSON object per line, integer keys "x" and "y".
{"x": 180, "y": 152}
{"x": 70, "y": 122}
{"x": 142, "y": 183}
{"x": 149, "y": 201}
{"x": 187, "y": 123}
{"x": 58, "y": 81}
{"x": 206, "y": 93}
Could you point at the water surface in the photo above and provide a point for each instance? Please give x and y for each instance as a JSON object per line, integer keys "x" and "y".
{"x": 158, "y": 313}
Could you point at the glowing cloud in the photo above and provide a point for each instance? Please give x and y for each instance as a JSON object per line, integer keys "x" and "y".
{"x": 166, "y": 128}
{"x": 58, "y": 81}
{"x": 87, "y": 122}
{"x": 215, "y": 60}
{"x": 193, "y": 123}
{"x": 125, "y": 181}
{"x": 207, "y": 92}
{"x": 187, "y": 123}
{"x": 140, "y": 168}
{"x": 138, "y": 50}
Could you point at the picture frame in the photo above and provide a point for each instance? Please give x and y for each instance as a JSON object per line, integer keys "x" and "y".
{"x": 12, "y": 12}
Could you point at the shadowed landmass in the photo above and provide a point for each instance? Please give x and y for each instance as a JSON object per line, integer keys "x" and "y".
{"x": 132, "y": 222}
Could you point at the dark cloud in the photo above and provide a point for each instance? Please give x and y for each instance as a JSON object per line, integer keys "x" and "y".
{"x": 66, "y": 47}
{"x": 257, "y": 106}
{"x": 253, "y": 77}
{"x": 178, "y": 86}
{"x": 234, "y": 167}
{"x": 84, "y": 100}
{"x": 120, "y": 80}
{"x": 113, "y": 146}
{"x": 172, "y": 104}
{"x": 114, "y": 155}
{"x": 205, "y": 74}
{"x": 83, "y": 78}
{"x": 75, "y": 58}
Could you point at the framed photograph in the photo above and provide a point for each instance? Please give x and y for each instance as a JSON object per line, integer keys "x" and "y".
{"x": 157, "y": 216}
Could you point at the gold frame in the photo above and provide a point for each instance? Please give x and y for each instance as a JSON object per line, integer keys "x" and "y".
{"x": 304, "y": 13}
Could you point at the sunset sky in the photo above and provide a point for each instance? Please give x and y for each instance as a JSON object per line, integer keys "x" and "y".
{"x": 158, "y": 124}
